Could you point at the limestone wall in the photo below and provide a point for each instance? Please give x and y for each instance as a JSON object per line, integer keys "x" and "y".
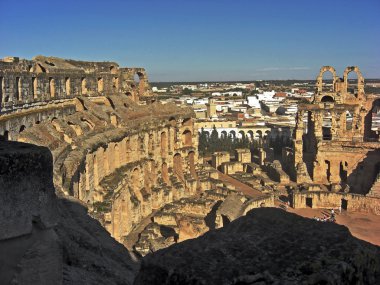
{"x": 349, "y": 202}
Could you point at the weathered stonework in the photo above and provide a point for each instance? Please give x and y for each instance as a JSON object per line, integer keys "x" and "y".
{"x": 334, "y": 145}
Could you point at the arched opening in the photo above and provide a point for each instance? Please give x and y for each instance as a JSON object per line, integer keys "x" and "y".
{"x": 177, "y": 165}
{"x": 172, "y": 122}
{"x": 241, "y": 134}
{"x": 352, "y": 83}
{"x": 115, "y": 84}
{"x": 18, "y": 89}
{"x": 84, "y": 85}
{"x": 22, "y": 128}
{"x": 326, "y": 126}
{"x": 116, "y": 155}
{"x": 186, "y": 138}
{"x": 67, "y": 86}
{"x": 139, "y": 81}
{"x": 250, "y": 135}
{"x": 34, "y": 88}
{"x": 52, "y": 87}
{"x": 348, "y": 120}
{"x": 232, "y": 134}
{"x": 150, "y": 144}
{"x": 5, "y": 136}
{"x": 328, "y": 170}
{"x": 129, "y": 95}
{"x": 191, "y": 157}
{"x": 223, "y": 134}
{"x": 113, "y": 69}
{"x": 77, "y": 129}
{"x": 343, "y": 171}
{"x": 187, "y": 122}
{"x": 372, "y": 122}
{"x": 136, "y": 79}
{"x": 100, "y": 84}
{"x": 259, "y": 134}
{"x": 136, "y": 183}
{"x": 327, "y": 81}
{"x": 2, "y": 90}
{"x": 164, "y": 144}
{"x": 90, "y": 124}
{"x": 327, "y": 99}
{"x": 165, "y": 173}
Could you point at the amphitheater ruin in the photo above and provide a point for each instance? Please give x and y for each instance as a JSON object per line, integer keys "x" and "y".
{"x": 133, "y": 162}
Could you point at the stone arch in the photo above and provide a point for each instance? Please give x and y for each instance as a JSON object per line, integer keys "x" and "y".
{"x": 100, "y": 84}
{"x": 327, "y": 98}
{"x": 191, "y": 157}
{"x": 259, "y": 134}
{"x": 77, "y": 129}
{"x": 151, "y": 143}
{"x": 232, "y": 134}
{"x": 223, "y": 134}
{"x": 326, "y": 126}
{"x": 360, "y": 80}
{"x": 266, "y": 134}
{"x": 113, "y": 69}
{"x": 320, "y": 77}
{"x": 34, "y": 88}
{"x": 242, "y": 134}
{"x": 90, "y": 124}
{"x": 187, "y": 138}
{"x": 136, "y": 183}
{"x": 18, "y": 89}
{"x": 5, "y": 136}
{"x": 250, "y": 135}
{"x": 2, "y": 90}
{"x": 187, "y": 122}
{"x": 172, "y": 121}
{"x": 139, "y": 79}
{"x": 371, "y": 126}
{"x": 165, "y": 172}
{"x": 68, "y": 86}
{"x": 164, "y": 144}
{"x": 84, "y": 85}
{"x": 349, "y": 118}
{"x": 115, "y": 83}
{"x": 116, "y": 155}
{"x": 178, "y": 165}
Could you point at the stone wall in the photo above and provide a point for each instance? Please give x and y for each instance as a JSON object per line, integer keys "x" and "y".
{"x": 113, "y": 148}
{"x": 41, "y": 85}
{"x": 328, "y": 200}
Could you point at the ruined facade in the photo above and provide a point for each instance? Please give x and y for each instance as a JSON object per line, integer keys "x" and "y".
{"x": 334, "y": 145}
{"x": 333, "y": 136}
{"x": 114, "y": 148}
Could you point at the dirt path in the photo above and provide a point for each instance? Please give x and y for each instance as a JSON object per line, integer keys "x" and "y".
{"x": 240, "y": 186}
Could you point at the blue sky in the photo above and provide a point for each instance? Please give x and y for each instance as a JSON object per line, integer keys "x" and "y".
{"x": 200, "y": 40}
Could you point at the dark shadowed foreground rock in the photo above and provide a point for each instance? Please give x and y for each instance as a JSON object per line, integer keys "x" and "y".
{"x": 46, "y": 240}
{"x": 267, "y": 246}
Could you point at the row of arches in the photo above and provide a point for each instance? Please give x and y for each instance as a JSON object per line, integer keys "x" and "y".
{"x": 251, "y": 135}
{"x": 30, "y": 88}
{"x": 353, "y": 81}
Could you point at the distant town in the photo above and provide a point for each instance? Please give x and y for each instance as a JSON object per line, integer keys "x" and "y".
{"x": 250, "y": 110}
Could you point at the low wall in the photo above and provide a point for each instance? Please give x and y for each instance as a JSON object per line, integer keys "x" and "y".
{"x": 348, "y": 201}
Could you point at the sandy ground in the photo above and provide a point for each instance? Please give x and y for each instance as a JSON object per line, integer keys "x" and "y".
{"x": 362, "y": 225}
